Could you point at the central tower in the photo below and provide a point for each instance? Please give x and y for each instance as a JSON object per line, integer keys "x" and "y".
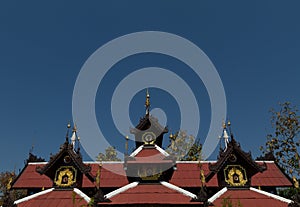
{"x": 148, "y": 130}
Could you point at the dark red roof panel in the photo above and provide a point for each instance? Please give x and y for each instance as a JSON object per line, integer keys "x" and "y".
{"x": 271, "y": 177}
{"x": 61, "y": 198}
{"x": 249, "y": 198}
{"x": 32, "y": 179}
{"x": 150, "y": 194}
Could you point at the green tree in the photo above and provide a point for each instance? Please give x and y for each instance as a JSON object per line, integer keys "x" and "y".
{"x": 184, "y": 147}
{"x": 110, "y": 155}
{"x": 8, "y": 196}
{"x": 284, "y": 141}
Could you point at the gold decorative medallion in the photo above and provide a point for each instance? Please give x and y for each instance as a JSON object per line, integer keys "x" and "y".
{"x": 235, "y": 175}
{"x": 149, "y": 173}
{"x": 65, "y": 176}
{"x": 148, "y": 137}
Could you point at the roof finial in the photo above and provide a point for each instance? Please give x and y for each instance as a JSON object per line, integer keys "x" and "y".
{"x": 147, "y": 103}
{"x": 74, "y": 136}
{"x": 225, "y": 135}
{"x": 67, "y": 135}
{"x": 126, "y": 145}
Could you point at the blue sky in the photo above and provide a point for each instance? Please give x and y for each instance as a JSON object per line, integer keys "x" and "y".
{"x": 254, "y": 46}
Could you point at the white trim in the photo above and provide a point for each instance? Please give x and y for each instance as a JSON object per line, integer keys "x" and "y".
{"x": 217, "y": 195}
{"x": 174, "y": 187}
{"x": 120, "y": 190}
{"x": 37, "y": 163}
{"x": 138, "y": 150}
{"x": 196, "y": 162}
{"x": 103, "y": 162}
{"x": 33, "y": 196}
{"x": 135, "y": 152}
{"x": 271, "y": 195}
{"x": 80, "y": 193}
{"x": 267, "y": 161}
{"x": 162, "y": 151}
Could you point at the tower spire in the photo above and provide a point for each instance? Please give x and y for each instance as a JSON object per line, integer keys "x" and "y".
{"x": 74, "y": 135}
{"x": 147, "y": 103}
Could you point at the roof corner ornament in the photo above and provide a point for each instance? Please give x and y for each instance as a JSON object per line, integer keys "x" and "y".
{"x": 147, "y": 103}
{"x": 67, "y": 134}
{"x": 74, "y": 136}
{"x": 226, "y": 134}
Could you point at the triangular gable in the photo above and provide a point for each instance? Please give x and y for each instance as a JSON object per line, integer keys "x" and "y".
{"x": 234, "y": 167}
{"x": 68, "y": 163}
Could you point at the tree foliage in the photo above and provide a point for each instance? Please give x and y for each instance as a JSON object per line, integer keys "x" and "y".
{"x": 284, "y": 141}
{"x": 8, "y": 195}
{"x": 184, "y": 147}
{"x": 110, "y": 155}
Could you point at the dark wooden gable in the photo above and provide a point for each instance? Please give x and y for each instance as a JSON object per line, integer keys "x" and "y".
{"x": 66, "y": 168}
{"x": 148, "y": 126}
{"x": 234, "y": 167}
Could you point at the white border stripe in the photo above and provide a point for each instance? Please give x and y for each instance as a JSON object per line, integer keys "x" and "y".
{"x": 196, "y": 162}
{"x": 80, "y": 193}
{"x": 271, "y": 195}
{"x": 120, "y": 190}
{"x": 133, "y": 154}
{"x": 37, "y": 163}
{"x": 137, "y": 151}
{"x": 162, "y": 151}
{"x": 174, "y": 187}
{"x": 33, "y": 196}
{"x": 217, "y": 195}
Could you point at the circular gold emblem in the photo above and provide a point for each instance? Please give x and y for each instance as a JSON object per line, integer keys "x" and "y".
{"x": 65, "y": 176}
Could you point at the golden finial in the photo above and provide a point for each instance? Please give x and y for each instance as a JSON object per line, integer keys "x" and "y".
{"x": 147, "y": 103}
{"x": 74, "y": 128}
{"x": 229, "y": 123}
{"x": 126, "y": 144}
{"x": 224, "y": 125}
{"x": 69, "y": 125}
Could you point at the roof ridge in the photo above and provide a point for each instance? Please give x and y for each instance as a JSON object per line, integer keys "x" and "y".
{"x": 181, "y": 190}
{"x": 120, "y": 190}
{"x": 135, "y": 152}
{"x": 27, "y": 198}
{"x": 271, "y": 195}
{"x": 82, "y": 194}
{"x": 217, "y": 195}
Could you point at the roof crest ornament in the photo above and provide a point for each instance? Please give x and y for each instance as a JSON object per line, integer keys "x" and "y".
{"x": 147, "y": 103}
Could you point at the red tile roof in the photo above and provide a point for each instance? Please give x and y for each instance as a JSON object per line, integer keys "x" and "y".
{"x": 150, "y": 194}
{"x": 29, "y": 178}
{"x": 271, "y": 177}
{"x": 249, "y": 198}
{"x": 186, "y": 175}
{"x": 57, "y": 198}
{"x": 112, "y": 175}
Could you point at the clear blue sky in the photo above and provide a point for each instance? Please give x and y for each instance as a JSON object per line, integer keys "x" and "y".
{"x": 254, "y": 45}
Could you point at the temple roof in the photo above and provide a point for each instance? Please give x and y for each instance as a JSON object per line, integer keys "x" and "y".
{"x": 186, "y": 175}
